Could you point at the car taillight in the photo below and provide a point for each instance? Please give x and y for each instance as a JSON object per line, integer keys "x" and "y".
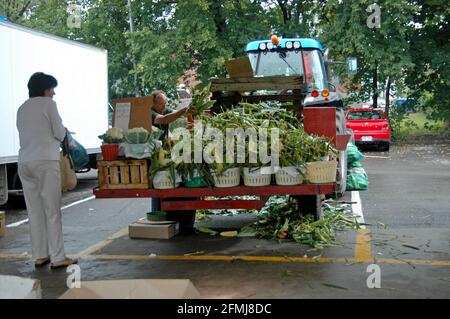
{"x": 315, "y": 93}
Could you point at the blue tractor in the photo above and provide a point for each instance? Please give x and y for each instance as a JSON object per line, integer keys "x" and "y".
{"x": 304, "y": 57}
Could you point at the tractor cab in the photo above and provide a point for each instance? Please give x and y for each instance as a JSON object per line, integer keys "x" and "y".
{"x": 295, "y": 56}
{"x": 291, "y": 56}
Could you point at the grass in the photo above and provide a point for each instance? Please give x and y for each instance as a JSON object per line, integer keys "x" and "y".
{"x": 423, "y": 125}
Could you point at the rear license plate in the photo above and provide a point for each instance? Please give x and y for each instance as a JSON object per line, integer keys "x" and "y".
{"x": 367, "y": 138}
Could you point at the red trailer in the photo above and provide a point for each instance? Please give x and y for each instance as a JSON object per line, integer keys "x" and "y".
{"x": 316, "y": 120}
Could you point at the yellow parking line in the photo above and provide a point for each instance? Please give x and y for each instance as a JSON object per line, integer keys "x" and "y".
{"x": 418, "y": 262}
{"x": 349, "y": 261}
{"x": 222, "y": 258}
{"x": 96, "y": 247}
{"x": 363, "y": 247}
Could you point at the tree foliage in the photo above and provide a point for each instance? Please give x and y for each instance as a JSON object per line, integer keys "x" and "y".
{"x": 383, "y": 53}
{"x": 408, "y": 54}
{"x": 429, "y": 75}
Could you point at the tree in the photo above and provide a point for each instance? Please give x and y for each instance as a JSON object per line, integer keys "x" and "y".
{"x": 192, "y": 36}
{"x": 383, "y": 52}
{"x": 208, "y": 32}
{"x": 16, "y": 10}
{"x": 293, "y": 18}
{"x": 429, "y": 75}
{"x": 172, "y": 37}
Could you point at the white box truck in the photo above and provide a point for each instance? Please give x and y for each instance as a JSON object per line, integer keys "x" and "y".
{"x": 81, "y": 95}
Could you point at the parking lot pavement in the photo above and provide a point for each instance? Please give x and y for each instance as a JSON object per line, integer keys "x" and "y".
{"x": 410, "y": 187}
{"x": 406, "y": 207}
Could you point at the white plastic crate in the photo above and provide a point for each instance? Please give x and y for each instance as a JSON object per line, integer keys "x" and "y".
{"x": 163, "y": 180}
{"x": 254, "y": 177}
{"x": 229, "y": 178}
{"x": 289, "y": 175}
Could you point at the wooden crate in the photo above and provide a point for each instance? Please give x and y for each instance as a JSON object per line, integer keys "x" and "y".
{"x": 246, "y": 84}
{"x": 123, "y": 174}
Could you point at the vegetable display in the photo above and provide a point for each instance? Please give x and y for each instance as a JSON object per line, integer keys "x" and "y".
{"x": 137, "y": 135}
{"x": 112, "y": 136}
{"x": 295, "y": 146}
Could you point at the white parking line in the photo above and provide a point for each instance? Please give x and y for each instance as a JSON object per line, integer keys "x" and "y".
{"x": 62, "y": 208}
{"x": 375, "y": 156}
{"x": 357, "y": 208}
{"x": 17, "y": 223}
{"x": 78, "y": 202}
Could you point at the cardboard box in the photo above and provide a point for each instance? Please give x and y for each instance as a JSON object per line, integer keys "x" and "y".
{"x": 2, "y": 224}
{"x": 239, "y": 68}
{"x": 144, "y": 228}
{"x": 13, "y": 287}
{"x": 134, "y": 111}
{"x": 134, "y": 289}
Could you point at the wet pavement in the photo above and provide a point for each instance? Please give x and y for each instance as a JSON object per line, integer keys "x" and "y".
{"x": 407, "y": 208}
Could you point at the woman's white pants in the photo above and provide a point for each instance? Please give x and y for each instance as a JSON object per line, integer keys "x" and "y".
{"x": 41, "y": 183}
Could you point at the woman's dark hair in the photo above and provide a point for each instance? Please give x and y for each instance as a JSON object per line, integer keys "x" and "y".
{"x": 39, "y": 82}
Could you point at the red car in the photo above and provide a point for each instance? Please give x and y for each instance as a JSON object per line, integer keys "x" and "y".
{"x": 370, "y": 126}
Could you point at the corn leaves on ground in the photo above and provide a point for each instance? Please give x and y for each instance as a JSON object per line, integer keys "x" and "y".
{"x": 280, "y": 220}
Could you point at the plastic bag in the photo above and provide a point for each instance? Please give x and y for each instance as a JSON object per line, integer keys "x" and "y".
{"x": 357, "y": 179}
{"x": 78, "y": 153}
{"x": 353, "y": 154}
{"x": 356, "y": 164}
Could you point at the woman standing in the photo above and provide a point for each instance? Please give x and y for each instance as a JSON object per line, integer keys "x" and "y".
{"x": 41, "y": 132}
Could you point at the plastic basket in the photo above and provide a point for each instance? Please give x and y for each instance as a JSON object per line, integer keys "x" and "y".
{"x": 156, "y": 216}
{"x": 289, "y": 175}
{"x": 254, "y": 177}
{"x": 321, "y": 172}
{"x": 163, "y": 180}
{"x": 229, "y": 178}
{"x": 195, "y": 182}
{"x": 110, "y": 152}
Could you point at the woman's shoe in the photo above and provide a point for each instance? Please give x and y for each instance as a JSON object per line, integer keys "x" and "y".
{"x": 64, "y": 263}
{"x": 41, "y": 262}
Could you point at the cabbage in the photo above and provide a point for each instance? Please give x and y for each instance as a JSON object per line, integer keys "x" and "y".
{"x": 137, "y": 136}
